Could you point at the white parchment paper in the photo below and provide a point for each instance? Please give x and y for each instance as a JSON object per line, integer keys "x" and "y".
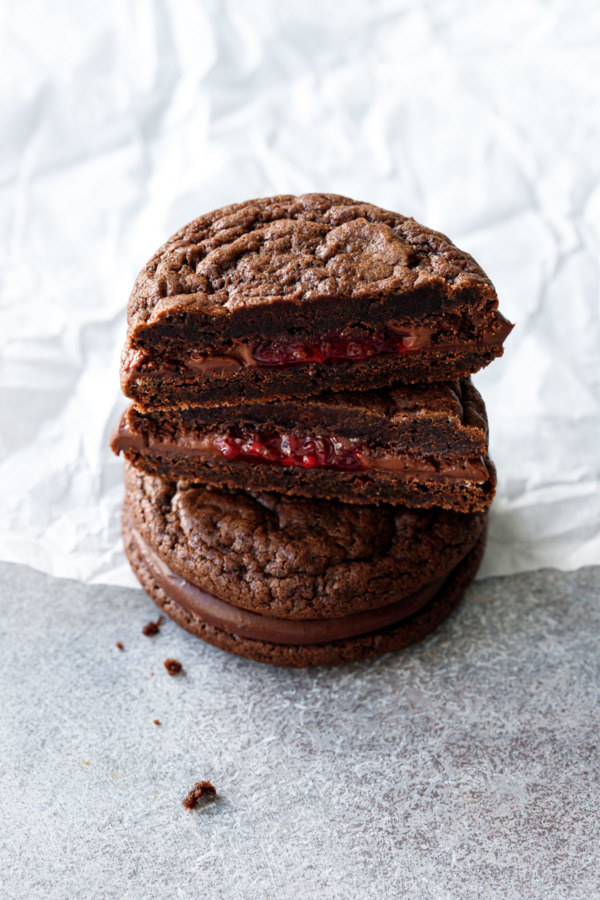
{"x": 121, "y": 121}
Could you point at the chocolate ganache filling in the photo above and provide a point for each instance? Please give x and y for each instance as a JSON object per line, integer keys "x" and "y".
{"x": 247, "y": 624}
{"x": 261, "y": 446}
{"x": 389, "y": 340}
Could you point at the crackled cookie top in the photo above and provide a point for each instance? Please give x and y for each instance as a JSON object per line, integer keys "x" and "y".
{"x": 282, "y": 556}
{"x": 304, "y": 247}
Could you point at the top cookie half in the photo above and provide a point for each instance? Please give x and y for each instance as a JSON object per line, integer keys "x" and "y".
{"x": 289, "y": 296}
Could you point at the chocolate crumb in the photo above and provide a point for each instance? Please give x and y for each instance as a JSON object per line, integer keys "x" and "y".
{"x": 119, "y": 645}
{"x": 153, "y": 628}
{"x": 200, "y": 789}
{"x": 156, "y": 721}
{"x": 173, "y": 666}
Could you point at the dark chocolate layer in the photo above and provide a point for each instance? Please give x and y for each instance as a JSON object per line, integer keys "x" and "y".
{"x": 234, "y": 620}
{"x": 292, "y": 558}
{"x": 394, "y": 637}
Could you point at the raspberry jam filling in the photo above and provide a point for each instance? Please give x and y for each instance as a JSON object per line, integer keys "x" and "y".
{"x": 336, "y": 347}
{"x": 309, "y": 451}
{"x": 266, "y": 445}
{"x": 279, "y": 353}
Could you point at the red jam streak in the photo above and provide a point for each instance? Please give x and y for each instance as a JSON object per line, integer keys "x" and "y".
{"x": 308, "y": 452}
{"x": 333, "y": 348}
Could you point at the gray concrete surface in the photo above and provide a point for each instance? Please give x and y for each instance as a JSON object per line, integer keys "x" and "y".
{"x": 467, "y": 767}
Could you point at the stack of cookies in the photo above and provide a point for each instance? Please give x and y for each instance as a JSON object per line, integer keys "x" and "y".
{"x": 307, "y": 478}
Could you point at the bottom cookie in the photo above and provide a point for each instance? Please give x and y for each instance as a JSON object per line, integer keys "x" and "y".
{"x": 336, "y": 652}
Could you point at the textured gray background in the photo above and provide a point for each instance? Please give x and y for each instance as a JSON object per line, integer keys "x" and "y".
{"x": 465, "y": 767}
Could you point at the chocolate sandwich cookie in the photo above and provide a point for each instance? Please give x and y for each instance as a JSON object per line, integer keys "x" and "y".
{"x": 296, "y": 582}
{"x": 420, "y": 446}
{"x": 289, "y": 296}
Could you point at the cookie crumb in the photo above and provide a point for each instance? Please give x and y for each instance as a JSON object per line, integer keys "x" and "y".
{"x": 173, "y": 666}
{"x": 200, "y": 789}
{"x": 156, "y": 721}
{"x": 119, "y": 645}
{"x": 153, "y": 628}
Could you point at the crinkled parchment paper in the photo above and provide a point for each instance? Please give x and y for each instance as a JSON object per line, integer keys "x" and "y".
{"x": 122, "y": 121}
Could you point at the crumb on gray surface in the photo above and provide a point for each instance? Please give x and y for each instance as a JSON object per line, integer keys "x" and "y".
{"x": 465, "y": 767}
{"x": 173, "y": 666}
{"x": 152, "y": 628}
{"x": 199, "y": 790}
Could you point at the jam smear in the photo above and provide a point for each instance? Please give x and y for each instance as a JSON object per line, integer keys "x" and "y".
{"x": 308, "y": 451}
{"x": 332, "y": 348}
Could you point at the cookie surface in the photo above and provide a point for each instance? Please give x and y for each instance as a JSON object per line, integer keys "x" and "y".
{"x": 288, "y": 296}
{"x": 335, "y": 652}
{"x": 415, "y": 445}
{"x": 294, "y": 558}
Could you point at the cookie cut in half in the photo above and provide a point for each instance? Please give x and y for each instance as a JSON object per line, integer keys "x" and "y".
{"x": 415, "y": 445}
{"x": 290, "y": 296}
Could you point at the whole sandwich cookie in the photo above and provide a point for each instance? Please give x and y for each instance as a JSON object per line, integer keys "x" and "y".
{"x": 415, "y": 445}
{"x": 289, "y": 296}
{"x": 293, "y": 582}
